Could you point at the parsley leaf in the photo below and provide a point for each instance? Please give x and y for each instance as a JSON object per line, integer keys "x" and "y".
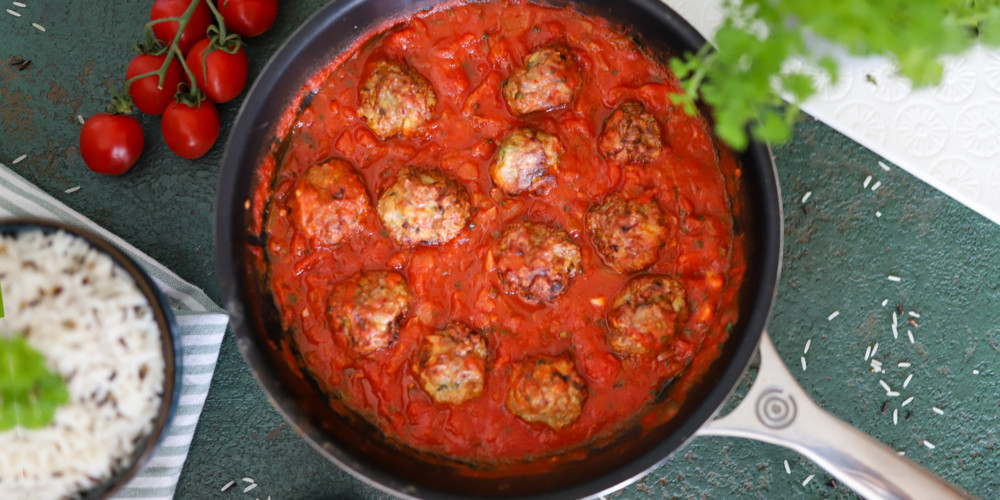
{"x": 29, "y": 393}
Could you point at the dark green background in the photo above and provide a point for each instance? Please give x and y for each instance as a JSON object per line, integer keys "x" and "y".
{"x": 837, "y": 255}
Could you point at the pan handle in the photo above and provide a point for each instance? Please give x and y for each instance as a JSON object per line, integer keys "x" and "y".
{"x": 776, "y": 410}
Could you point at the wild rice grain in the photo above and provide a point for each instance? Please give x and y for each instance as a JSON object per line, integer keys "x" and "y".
{"x": 805, "y": 197}
{"x": 19, "y": 159}
{"x": 907, "y": 381}
{"x": 894, "y": 278}
{"x": 908, "y": 400}
{"x": 810, "y": 478}
{"x": 832, "y": 315}
{"x": 876, "y": 185}
{"x": 788, "y": 470}
{"x": 937, "y": 410}
{"x": 228, "y": 485}
{"x": 868, "y": 180}
{"x": 929, "y": 444}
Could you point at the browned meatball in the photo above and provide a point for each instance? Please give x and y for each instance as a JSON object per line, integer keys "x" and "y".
{"x": 547, "y": 390}
{"x": 536, "y": 261}
{"x": 395, "y": 100}
{"x": 525, "y": 161}
{"x": 645, "y": 315}
{"x": 631, "y": 135}
{"x": 424, "y": 206}
{"x": 627, "y": 233}
{"x": 451, "y": 365}
{"x": 368, "y": 308}
{"x": 549, "y": 79}
{"x": 330, "y": 202}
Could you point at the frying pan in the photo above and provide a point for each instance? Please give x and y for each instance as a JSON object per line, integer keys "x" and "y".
{"x": 776, "y": 409}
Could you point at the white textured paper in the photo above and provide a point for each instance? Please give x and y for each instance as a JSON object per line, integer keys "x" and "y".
{"x": 948, "y": 136}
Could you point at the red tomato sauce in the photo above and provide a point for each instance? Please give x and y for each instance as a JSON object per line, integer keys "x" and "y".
{"x": 466, "y": 51}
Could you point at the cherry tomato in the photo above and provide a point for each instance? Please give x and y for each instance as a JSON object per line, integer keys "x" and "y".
{"x": 111, "y": 144}
{"x": 190, "y": 131}
{"x": 219, "y": 74}
{"x": 145, "y": 93}
{"x": 195, "y": 29}
{"x": 248, "y": 17}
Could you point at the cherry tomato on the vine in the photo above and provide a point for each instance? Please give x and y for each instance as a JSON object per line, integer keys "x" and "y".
{"x": 190, "y": 131}
{"x": 219, "y": 74}
{"x": 165, "y": 31}
{"x": 145, "y": 93}
{"x": 111, "y": 144}
{"x": 248, "y": 18}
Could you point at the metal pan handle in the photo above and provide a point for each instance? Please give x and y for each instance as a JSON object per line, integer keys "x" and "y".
{"x": 776, "y": 410}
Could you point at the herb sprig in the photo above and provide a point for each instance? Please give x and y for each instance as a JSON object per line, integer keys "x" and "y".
{"x": 740, "y": 77}
{"x": 29, "y": 392}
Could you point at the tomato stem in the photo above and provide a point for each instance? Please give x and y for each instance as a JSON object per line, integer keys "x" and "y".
{"x": 194, "y": 95}
{"x": 171, "y": 49}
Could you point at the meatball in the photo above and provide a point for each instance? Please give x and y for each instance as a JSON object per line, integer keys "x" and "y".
{"x": 547, "y": 390}
{"x": 630, "y": 135}
{"x": 549, "y": 79}
{"x": 330, "y": 202}
{"x": 536, "y": 261}
{"x": 627, "y": 233}
{"x": 451, "y": 365}
{"x": 645, "y": 315}
{"x": 395, "y": 100}
{"x": 525, "y": 162}
{"x": 368, "y": 309}
{"x": 424, "y": 206}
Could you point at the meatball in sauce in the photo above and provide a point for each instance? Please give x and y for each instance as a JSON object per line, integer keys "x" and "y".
{"x": 547, "y": 390}
{"x": 549, "y": 79}
{"x": 628, "y": 233}
{"x": 368, "y": 308}
{"x": 451, "y": 364}
{"x": 646, "y": 314}
{"x": 329, "y": 202}
{"x": 424, "y": 206}
{"x": 525, "y": 162}
{"x": 630, "y": 135}
{"x": 395, "y": 99}
{"x": 536, "y": 262}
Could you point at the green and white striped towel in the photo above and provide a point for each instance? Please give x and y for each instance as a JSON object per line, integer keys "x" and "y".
{"x": 202, "y": 325}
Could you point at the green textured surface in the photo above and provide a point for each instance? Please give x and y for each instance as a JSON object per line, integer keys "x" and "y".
{"x": 836, "y": 258}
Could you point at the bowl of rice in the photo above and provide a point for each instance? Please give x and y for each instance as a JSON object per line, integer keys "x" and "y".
{"x": 104, "y": 328}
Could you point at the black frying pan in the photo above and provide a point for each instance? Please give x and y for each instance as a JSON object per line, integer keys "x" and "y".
{"x": 352, "y": 442}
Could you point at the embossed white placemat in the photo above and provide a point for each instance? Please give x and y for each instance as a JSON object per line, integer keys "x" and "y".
{"x": 948, "y": 136}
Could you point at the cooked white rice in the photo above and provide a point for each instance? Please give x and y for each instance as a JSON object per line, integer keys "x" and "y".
{"x": 95, "y": 329}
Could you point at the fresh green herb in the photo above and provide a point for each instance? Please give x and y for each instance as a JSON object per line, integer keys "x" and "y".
{"x": 758, "y": 37}
{"x": 29, "y": 393}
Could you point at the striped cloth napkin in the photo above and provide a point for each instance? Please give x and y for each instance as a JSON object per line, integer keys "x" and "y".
{"x": 202, "y": 325}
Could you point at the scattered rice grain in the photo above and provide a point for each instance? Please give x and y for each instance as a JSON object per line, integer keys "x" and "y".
{"x": 885, "y": 386}
{"x": 901, "y": 453}
{"x": 884, "y": 302}
{"x": 907, "y": 381}
{"x": 929, "y": 444}
{"x": 19, "y": 159}
{"x": 228, "y": 485}
{"x": 894, "y": 322}
{"x": 788, "y": 470}
{"x": 884, "y": 166}
{"x": 809, "y": 478}
{"x": 875, "y": 349}
{"x": 868, "y": 181}
{"x": 895, "y": 416}
{"x": 876, "y": 185}
{"x": 248, "y": 480}
{"x": 894, "y": 278}
{"x": 832, "y": 315}
{"x": 805, "y": 197}
{"x": 908, "y": 401}
{"x": 878, "y": 214}
{"x": 868, "y": 353}
{"x": 19, "y": 4}
{"x": 806, "y": 350}
{"x": 72, "y": 189}
{"x": 80, "y": 119}
{"x": 248, "y": 488}
{"x": 975, "y": 372}
{"x": 913, "y": 314}
{"x": 38, "y": 27}
{"x": 803, "y": 359}
{"x": 892, "y": 394}
{"x": 14, "y": 13}
{"x": 895, "y": 331}
{"x": 937, "y": 410}
{"x": 909, "y": 333}
{"x": 904, "y": 365}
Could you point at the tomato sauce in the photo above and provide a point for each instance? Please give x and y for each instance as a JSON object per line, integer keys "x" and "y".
{"x": 466, "y": 51}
